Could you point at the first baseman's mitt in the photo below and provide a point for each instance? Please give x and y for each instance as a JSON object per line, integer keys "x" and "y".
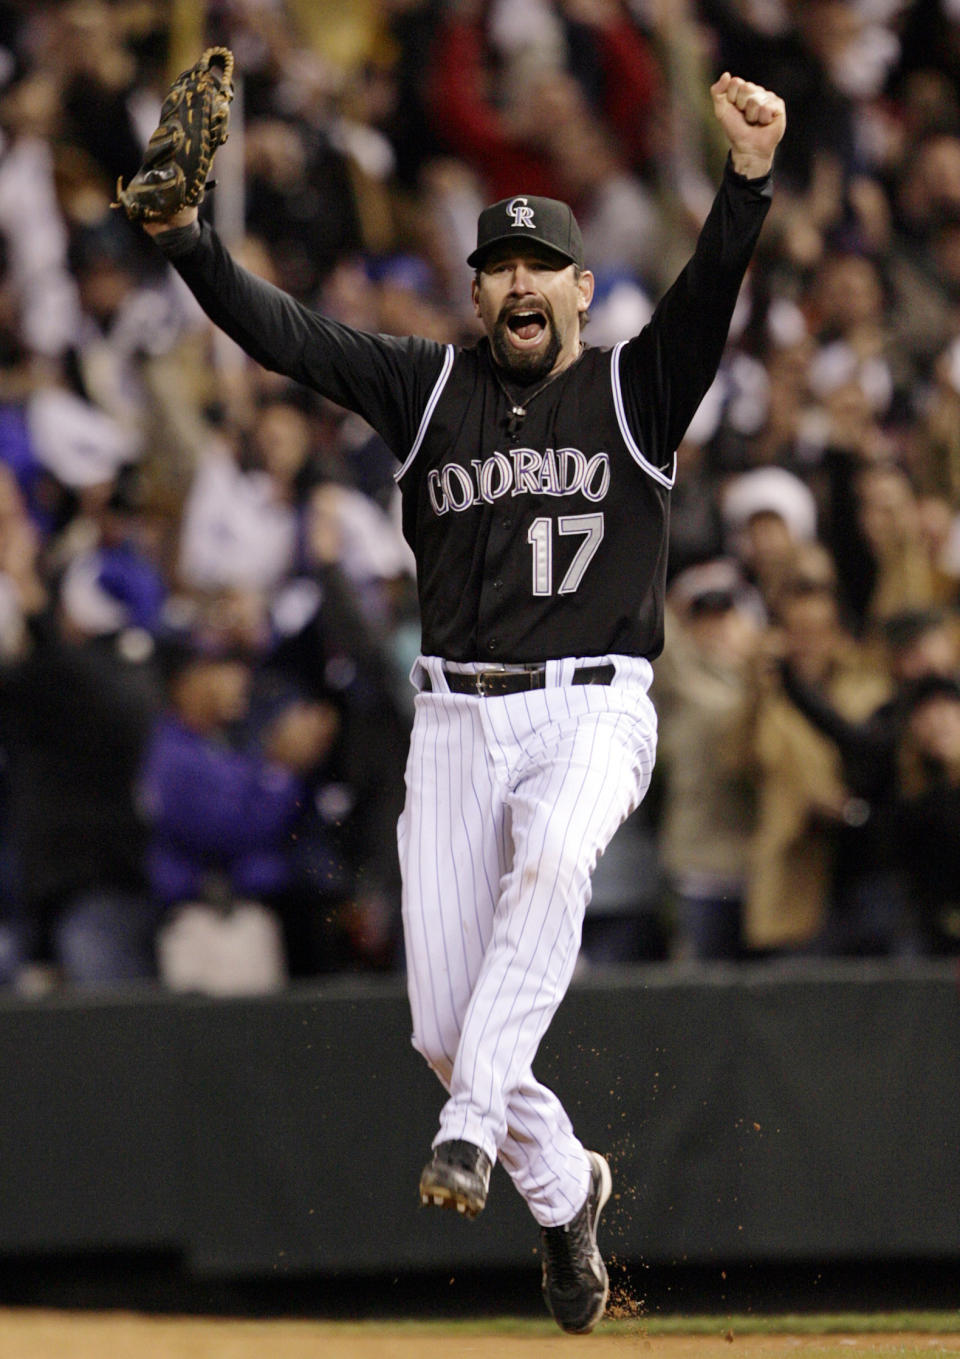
{"x": 193, "y": 123}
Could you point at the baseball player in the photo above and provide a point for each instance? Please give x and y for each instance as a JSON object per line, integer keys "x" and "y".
{"x": 535, "y": 473}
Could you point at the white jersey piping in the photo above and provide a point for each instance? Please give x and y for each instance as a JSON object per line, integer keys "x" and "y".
{"x": 431, "y": 406}
{"x": 664, "y": 478}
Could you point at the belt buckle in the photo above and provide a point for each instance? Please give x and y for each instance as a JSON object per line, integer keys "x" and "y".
{"x": 482, "y": 678}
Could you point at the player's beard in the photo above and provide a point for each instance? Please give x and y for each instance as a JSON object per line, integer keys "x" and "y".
{"x": 526, "y": 366}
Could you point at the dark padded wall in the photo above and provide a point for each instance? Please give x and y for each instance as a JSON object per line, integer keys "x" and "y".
{"x": 758, "y": 1115}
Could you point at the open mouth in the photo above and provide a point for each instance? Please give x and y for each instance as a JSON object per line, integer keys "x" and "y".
{"x": 527, "y": 327}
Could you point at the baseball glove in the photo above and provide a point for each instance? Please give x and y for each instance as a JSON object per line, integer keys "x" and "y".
{"x": 193, "y": 123}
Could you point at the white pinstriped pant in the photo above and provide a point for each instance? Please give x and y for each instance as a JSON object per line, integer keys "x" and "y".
{"x": 510, "y": 802}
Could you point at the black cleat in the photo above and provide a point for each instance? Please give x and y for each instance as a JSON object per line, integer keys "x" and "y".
{"x": 457, "y": 1176}
{"x": 575, "y": 1283}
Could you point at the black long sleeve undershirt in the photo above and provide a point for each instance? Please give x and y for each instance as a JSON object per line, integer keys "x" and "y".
{"x": 665, "y": 370}
{"x": 385, "y": 379}
{"x": 678, "y": 353}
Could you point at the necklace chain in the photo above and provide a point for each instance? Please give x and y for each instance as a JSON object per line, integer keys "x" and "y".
{"x": 518, "y": 412}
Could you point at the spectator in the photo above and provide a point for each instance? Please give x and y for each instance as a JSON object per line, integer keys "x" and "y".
{"x": 936, "y": 450}
{"x": 929, "y": 810}
{"x": 696, "y": 525}
{"x": 84, "y": 46}
{"x": 803, "y": 800}
{"x": 243, "y": 521}
{"x": 328, "y": 647}
{"x": 805, "y": 49}
{"x": 872, "y": 901}
{"x": 916, "y": 645}
{"x": 502, "y": 88}
{"x": 707, "y": 694}
{"x": 123, "y": 323}
{"x": 33, "y": 231}
{"x": 222, "y": 816}
{"x": 847, "y": 316}
{"x": 878, "y": 528}
{"x": 890, "y": 519}
{"x": 926, "y": 198}
{"x": 770, "y": 517}
{"x": 76, "y": 703}
{"x": 300, "y": 201}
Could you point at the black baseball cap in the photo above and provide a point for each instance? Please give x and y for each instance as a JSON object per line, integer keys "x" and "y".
{"x": 526, "y": 217}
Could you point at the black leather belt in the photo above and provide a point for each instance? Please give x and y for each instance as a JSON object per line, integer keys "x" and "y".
{"x": 498, "y": 683}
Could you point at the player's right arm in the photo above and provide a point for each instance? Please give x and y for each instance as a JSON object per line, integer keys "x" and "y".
{"x": 667, "y": 369}
{"x": 385, "y": 379}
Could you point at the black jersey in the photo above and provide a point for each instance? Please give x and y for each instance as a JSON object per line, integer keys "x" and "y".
{"x": 550, "y": 542}
{"x": 547, "y": 543}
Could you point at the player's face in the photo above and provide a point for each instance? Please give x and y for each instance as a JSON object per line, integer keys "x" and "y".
{"x": 530, "y": 302}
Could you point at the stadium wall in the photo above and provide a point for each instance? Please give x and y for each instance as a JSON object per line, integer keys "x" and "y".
{"x": 793, "y": 1114}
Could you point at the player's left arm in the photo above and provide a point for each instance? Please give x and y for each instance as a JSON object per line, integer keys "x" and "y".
{"x": 666, "y": 370}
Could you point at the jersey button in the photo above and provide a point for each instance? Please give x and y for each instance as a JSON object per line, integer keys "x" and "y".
{"x": 493, "y": 644}
{"x": 498, "y": 584}
{"x": 506, "y": 522}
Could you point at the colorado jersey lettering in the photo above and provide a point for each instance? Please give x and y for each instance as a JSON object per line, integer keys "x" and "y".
{"x": 520, "y": 471}
{"x": 558, "y": 549}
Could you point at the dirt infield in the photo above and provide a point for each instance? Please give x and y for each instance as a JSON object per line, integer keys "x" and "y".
{"x": 83, "y": 1335}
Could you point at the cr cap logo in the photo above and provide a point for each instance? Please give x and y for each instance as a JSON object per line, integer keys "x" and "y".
{"x": 521, "y": 212}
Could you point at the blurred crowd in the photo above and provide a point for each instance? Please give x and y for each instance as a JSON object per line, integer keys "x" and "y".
{"x": 207, "y": 611}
